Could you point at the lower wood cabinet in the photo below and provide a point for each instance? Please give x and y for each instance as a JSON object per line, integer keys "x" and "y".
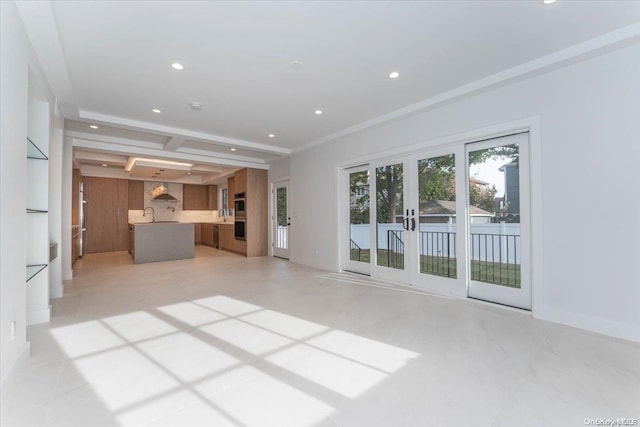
{"x": 228, "y": 240}
{"x": 197, "y": 233}
{"x": 207, "y": 234}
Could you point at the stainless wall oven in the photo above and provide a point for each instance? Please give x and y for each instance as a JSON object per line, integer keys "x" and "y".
{"x": 239, "y": 204}
{"x": 240, "y": 229}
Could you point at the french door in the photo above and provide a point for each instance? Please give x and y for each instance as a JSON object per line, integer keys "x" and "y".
{"x": 391, "y": 222}
{"x": 498, "y": 247}
{"x": 450, "y": 220}
{"x": 281, "y": 219}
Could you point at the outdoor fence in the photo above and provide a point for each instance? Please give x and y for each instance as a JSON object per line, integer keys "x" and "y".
{"x": 489, "y": 242}
{"x": 282, "y": 237}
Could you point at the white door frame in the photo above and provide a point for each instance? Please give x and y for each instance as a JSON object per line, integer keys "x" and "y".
{"x": 273, "y": 250}
{"x": 515, "y": 297}
{"x": 345, "y": 219}
{"x": 429, "y": 282}
{"x": 387, "y": 273}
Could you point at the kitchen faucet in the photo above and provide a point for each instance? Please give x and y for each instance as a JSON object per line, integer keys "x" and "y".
{"x": 153, "y": 213}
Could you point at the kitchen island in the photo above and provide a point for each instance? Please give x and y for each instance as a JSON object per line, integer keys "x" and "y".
{"x": 161, "y": 241}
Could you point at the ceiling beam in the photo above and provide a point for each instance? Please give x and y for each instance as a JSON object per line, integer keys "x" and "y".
{"x": 113, "y": 139}
{"x": 220, "y": 155}
{"x": 169, "y": 130}
{"x": 100, "y": 157}
{"x": 161, "y": 154}
{"x": 174, "y": 143}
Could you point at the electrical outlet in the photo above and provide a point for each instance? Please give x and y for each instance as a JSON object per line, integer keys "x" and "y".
{"x": 13, "y": 330}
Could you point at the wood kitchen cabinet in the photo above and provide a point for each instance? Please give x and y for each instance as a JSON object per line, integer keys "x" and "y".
{"x": 240, "y": 178}
{"x": 207, "y": 234}
{"x": 231, "y": 188}
{"x": 195, "y": 197}
{"x": 197, "y": 233}
{"x": 136, "y": 195}
{"x": 226, "y": 237}
{"x": 213, "y": 197}
{"x": 106, "y": 216}
{"x": 257, "y": 209}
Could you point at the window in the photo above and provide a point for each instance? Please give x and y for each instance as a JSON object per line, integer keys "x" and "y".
{"x": 224, "y": 199}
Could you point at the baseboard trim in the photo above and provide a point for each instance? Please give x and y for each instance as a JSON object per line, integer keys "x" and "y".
{"x": 591, "y": 323}
{"x": 38, "y": 316}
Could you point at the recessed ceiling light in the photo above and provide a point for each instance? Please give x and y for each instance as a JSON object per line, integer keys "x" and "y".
{"x": 93, "y": 126}
{"x": 318, "y": 112}
{"x": 155, "y": 110}
{"x": 177, "y": 66}
{"x": 232, "y": 149}
{"x": 271, "y": 135}
{"x": 394, "y": 75}
{"x": 548, "y": 1}
{"x": 104, "y": 164}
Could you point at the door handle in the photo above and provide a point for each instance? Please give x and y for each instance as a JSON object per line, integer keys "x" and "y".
{"x": 413, "y": 224}
{"x": 405, "y": 224}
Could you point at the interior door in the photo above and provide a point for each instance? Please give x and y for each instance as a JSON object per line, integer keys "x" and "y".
{"x": 498, "y": 220}
{"x": 281, "y": 219}
{"x": 393, "y": 230}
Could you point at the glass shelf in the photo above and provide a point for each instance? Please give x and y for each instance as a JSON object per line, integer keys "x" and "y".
{"x": 32, "y": 270}
{"x": 35, "y": 211}
{"x": 33, "y": 152}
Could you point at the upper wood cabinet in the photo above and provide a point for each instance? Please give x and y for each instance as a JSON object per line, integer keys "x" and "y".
{"x": 195, "y": 197}
{"x": 213, "y": 197}
{"x": 136, "y": 195}
{"x": 231, "y": 189}
{"x": 240, "y": 181}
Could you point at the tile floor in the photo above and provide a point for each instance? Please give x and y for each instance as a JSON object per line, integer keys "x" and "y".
{"x": 221, "y": 340}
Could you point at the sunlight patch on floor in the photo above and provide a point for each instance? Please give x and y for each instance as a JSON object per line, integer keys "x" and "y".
{"x": 216, "y": 357}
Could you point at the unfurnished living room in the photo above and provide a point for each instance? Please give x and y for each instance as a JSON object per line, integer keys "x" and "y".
{"x": 319, "y": 213}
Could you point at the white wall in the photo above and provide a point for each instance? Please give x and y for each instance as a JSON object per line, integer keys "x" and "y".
{"x": 589, "y": 131}
{"x": 17, "y": 62}
{"x": 14, "y": 57}
{"x": 279, "y": 169}
{"x": 56, "y": 141}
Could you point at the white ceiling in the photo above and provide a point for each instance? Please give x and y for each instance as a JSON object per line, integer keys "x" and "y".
{"x": 109, "y": 63}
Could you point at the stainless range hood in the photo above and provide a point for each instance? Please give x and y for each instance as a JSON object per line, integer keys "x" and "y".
{"x": 166, "y": 197}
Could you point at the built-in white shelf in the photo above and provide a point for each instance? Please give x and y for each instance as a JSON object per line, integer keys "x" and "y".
{"x": 32, "y": 270}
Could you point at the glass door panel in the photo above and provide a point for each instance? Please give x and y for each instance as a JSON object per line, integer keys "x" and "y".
{"x": 281, "y": 220}
{"x": 437, "y": 215}
{"x": 392, "y": 232}
{"x": 497, "y": 209}
{"x": 359, "y": 227}
{"x": 389, "y": 214}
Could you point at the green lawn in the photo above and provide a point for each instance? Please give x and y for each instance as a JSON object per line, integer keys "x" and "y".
{"x": 481, "y": 271}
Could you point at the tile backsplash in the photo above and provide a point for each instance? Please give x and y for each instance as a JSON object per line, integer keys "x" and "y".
{"x": 170, "y": 211}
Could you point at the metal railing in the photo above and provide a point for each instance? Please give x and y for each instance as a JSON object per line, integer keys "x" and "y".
{"x": 438, "y": 253}
{"x": 282, "y": 237}
{"x": 356, "y": 251}
{"x": 495, "y": 258}
{"x": 395, "y": 249}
